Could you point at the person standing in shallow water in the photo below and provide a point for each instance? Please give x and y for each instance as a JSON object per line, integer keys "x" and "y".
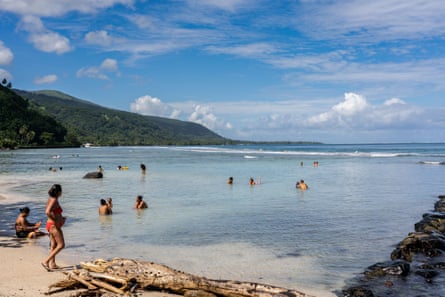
{"x": 143, "y": 168}
{"x": 302, "y": 185}
{"x": 54, "y": 226}
{"x": 140, "y": 203}
{"x": 106, "y": 208}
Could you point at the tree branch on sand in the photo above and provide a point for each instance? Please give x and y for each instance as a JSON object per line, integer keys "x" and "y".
{"x": 124, "y": 276}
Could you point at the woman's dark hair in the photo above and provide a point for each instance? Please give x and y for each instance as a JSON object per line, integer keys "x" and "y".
{"x": 24, "y": 209}
{"x": 55, "y": 190}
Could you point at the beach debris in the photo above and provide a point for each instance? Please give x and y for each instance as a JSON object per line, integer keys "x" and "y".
{"x": 122, "y": 276}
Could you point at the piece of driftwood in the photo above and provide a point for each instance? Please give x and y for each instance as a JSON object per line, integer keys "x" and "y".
{"x": 129, "y": 274}
{"x": 82, "y": 280}
{"x": 107, "y": 286}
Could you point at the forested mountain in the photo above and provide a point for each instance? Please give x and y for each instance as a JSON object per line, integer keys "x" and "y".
{"x": 92, "y": 123}
{"x": 20, "y": 125}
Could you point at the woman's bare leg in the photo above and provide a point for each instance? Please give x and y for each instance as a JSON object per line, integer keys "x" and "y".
{"x": 57, "y": 244}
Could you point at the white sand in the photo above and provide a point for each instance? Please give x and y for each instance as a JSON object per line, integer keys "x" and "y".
{"x": 22, "y": 275}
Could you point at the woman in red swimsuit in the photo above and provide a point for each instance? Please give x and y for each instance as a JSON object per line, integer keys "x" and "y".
{"x": 54, "y": 226}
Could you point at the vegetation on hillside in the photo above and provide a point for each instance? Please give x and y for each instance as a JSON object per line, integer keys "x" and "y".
{"x": 98, "y": 125}
{"x": 21, "y": 126}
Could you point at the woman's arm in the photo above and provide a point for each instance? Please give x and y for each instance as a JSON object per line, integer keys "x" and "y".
{"x": 49, "y": 209}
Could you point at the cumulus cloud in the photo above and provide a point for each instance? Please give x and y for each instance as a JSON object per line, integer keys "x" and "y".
{"x": 42, "y": 38}
{"x": 102, "y": 38}
{"x": 109, "y": 65}
{"x": 50, "y": 42}
{"x": 356, "y": 112}
{"x": 203, "y": 115}
{"x": 153, "y": 106}
{"x": 353, "y": 104}
{"x": 393, "y": 101}
{"x": 6, "y": 55}
{"x": 200, "y": 114}
{"x": 47, "y": 79}
{"x": 100, "y": 72}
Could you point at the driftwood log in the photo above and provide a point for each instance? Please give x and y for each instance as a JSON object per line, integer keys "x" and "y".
{"x": 123, "y": 276}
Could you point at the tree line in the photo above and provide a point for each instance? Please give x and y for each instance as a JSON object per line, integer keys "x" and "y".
{"x": 22, "y": 126}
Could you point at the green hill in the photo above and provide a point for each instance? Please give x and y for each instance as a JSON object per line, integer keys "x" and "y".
{"x": 21, "y": 125}
{"x": 92, "y": 123}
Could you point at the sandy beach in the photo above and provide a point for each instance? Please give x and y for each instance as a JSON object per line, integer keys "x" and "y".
{"x": 23, "y": 276}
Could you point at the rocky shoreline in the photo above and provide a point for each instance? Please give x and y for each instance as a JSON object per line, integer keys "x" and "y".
{"x": 416, "y": 266}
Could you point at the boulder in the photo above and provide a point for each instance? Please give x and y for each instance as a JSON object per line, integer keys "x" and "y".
{"x": 95, "y": 174}
{"x": 440, "y": 205}
{"x": 396, "y": 267}
{"x": 358, "y": 292}
{"x": 429, "y": 244}
{"x": 431, "y": 222}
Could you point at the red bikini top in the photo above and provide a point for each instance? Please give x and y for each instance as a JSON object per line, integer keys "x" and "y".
{"x": 57, "y": 210}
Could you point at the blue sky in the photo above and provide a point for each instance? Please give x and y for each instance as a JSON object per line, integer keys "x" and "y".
{"x": 331, "y": 71}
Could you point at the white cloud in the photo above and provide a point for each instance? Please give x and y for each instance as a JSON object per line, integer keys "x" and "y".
{"x": 42, "y": 38}
{"x": 353, "y": 104}
{"x": 50, "y": 8}
{"x": 393, "y": 101}
{"x": 100, "y": 72}
{"x": 102, "y": 38}
{"x": 203, "y": 115}
{"x": 373, "y": 20}
{"x": 252, "y": 50}
{"x": 47, "y": 79}
{"x": 143, "y": 21}
{"x": 50, "y": 42}
{"x": 153, "y": 106}
{"x": 228, "y": 5}
{"x": 109, "y": 65}
{"x": 6, "y": 55}
{"x": 356, "y": 112}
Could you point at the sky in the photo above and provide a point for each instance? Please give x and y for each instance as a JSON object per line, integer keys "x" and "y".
{"x": 354, "y": 71}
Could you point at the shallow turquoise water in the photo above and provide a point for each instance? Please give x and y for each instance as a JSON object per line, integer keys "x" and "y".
{"x": 362, "y": 200}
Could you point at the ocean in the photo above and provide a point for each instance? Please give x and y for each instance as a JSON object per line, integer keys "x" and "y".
{"x": 362, "y": 200}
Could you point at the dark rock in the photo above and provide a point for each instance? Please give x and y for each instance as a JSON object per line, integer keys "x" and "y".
{"x": 431, "y": 223}
{"x": 397, "y": 267}
{"x": 358, "y": 292}
{"x": 437, "y": 265}
{"x": 429, "y": 244}
{"x": 440, "y": 205}
{"x": 95, "y": 174}
{"x": 427, "y": 273}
